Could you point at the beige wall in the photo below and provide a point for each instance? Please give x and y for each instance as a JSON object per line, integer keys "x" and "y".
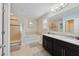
{"x": 26, "y": 24}
{"x": 37, "y": 26}
{"x": 40, "y": 29}
{"x": 33, "y": 27}
{"x": 30, "y": 29}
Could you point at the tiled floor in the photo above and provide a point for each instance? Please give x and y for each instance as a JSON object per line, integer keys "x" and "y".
{"x": 32, "y": 47}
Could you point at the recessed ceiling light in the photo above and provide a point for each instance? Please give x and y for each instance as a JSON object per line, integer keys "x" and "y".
{"x": 61, "y": 4}
{"x": 52, "y": 9}
{"x": 57, "y": 7}
{"x": 30, "y": 23}
{"x": 64, "y": 4}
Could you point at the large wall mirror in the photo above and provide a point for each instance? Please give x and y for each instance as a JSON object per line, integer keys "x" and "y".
{"x": 68, "y": 23}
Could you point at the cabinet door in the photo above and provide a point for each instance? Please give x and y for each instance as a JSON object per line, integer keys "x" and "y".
{"x": 71, "y": 52}
{"x": 48, "y": 44}
{"x": 58, "y": 49}
{"x": 45, "y": 42}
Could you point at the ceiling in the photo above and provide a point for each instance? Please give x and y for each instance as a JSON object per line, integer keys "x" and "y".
{"x": 35, "y": 10}
{"x": 31, "y": 10}
{"x": 70, "y": 9}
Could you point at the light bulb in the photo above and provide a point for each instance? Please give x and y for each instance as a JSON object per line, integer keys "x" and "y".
{"x": 61, "y": 4}
{"x": 30, "y": 23}
{"x": 56, "y": 7}
{"x": 52, "y": 9}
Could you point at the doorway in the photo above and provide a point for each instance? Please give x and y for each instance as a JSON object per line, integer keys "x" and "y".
{"x": 30, "y": 41}
{"x": 70, "y": 26}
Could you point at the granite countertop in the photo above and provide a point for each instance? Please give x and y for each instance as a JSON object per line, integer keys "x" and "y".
{"x": 64, "y": 38}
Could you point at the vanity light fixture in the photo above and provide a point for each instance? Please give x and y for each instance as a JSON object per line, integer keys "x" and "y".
{"x": 59, "y": 7}
{"x": 64, "y": 5}
{"x": 56, "y": 7}
{"x": 53, "y": 10}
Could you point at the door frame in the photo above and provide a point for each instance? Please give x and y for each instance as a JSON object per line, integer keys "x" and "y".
{"x": 5, "y": 29}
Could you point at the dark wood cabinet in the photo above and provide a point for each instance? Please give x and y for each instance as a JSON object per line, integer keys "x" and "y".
{"x": 57, "y": 50}
{"x": 48, "y": 44}
{"x": 51, "y": 45}
{"x": 45, "y": 42}
{"x": 57, "y": 47}
{"x": 71, "y": 52}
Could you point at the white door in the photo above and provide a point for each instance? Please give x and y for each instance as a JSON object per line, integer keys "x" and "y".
{"x": 0, "y": 29}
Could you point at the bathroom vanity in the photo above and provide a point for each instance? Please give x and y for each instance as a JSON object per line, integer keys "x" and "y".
{"x": 58, "y": 45}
